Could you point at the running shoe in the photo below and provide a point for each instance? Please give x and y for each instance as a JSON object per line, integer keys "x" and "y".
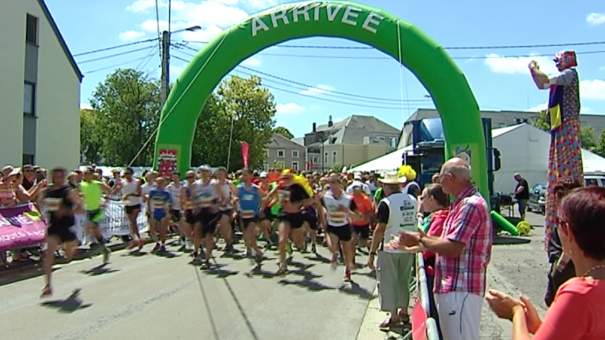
{"x": 314, "y": 248}
{"x": 106, "y": 255}
{"x": 334, "y": 261}
{"x": 347, "y": 277}
{"x": 162, "y": 249}
{"x": 47, "y": 291}
{"x": 281, "y": 271}
{"x": 131, "y": 244}
{"x": 259, "y": 258}
{"x": 141, "y": 244}
{"x": 156, "y": 248}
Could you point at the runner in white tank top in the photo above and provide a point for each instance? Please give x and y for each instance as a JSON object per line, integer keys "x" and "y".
{"x": 226, "y": 190}
{"x": 131, "y": 196}
{"x": 176, "y": 223}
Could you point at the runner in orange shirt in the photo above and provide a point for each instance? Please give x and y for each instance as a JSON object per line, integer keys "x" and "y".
{"x": 361, "y": 227}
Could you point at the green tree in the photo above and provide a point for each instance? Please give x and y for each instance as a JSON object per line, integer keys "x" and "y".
{"x": 240, "y": 109}
{"x": 600, "y": 148}
{"x": 338, "y": 168}
{"x": 541, "y": 123}
{"x": 283, "y": 131}
{"x": 90, "y": 141}
{"x": 128, "y": 105}
{"x": 588, "y": 138}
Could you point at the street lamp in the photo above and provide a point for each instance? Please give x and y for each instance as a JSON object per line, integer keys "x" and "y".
{"x": 166, "y": 60}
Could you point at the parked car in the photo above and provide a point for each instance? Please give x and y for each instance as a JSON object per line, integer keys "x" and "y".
{"x": 594, "y": 179}
{"x": 537, "y": 198}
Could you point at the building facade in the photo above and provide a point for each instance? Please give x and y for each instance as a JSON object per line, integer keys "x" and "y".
{"x": 283, "y": 153}
{"x": 39, "y": 89}
{"x": 351, "y": 141}
{"x": 499, "y": 119}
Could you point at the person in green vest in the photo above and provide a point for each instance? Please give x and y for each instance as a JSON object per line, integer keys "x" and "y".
{"x": 92, "y": 191}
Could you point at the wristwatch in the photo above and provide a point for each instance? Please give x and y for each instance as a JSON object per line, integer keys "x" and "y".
{"x": 373, "y": 253}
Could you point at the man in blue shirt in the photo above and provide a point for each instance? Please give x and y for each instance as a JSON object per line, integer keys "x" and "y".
{"x": 249, "y": 197}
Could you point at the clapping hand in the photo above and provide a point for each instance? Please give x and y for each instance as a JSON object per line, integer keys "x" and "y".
{"x": 503, "y": 305}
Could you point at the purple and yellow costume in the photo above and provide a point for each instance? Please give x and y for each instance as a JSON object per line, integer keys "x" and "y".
{"x": 565, "y": 155}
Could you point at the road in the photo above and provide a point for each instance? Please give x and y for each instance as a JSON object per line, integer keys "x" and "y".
{"x": 154, "y": 297}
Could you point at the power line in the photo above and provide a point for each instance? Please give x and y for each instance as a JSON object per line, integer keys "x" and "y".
{"x": 144, "y": 62}
{"x": 114, "y": 66}
{"x": 307, "y": 87}
{"x": 389, "y": 58}
{"x": 115, "y": 47}
{"x": 115, "y": 55}
{"x": 493, "y": 47}
{"x": 157, "y": 22}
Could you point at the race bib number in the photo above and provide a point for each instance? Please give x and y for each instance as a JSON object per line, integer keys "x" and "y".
{"x": 247, "y": 214}
{"x": 408, "y": 217}
{"x": 284, "y": 196}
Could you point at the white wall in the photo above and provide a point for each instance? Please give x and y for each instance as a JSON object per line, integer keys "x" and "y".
{"x": 523, "y": 150}
{"x": 58, "y": 91}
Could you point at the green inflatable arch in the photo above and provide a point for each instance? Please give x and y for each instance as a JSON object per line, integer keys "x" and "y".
{"x": 401, "y": 40}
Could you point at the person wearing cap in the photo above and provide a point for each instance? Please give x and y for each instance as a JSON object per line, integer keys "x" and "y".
{"x": 395, "y": 213}
{"x": 563, "y": 115}
{"x": 358, "y": 180}
{"x": 207, "y": 197}
{"x": 12, "y": 192}
{"x": 267, "y": 216}
{"x": 227, "y": 192}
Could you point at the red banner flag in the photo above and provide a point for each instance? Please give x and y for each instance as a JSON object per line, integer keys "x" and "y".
{"x": 245, "y": 151}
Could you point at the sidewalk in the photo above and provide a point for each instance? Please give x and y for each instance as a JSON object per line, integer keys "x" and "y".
{"x": 369, "y": 325}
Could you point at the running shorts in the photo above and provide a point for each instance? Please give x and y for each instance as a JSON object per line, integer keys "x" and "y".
{"x": 363, "y": 231}
{"x": 268, "y": 214}
{"x": 175, "y": 215}
{"x": 189, "y": 216}
{"x": 95, "y": 216}
{"x": 227, "y": 212}
{"x": 344, "y": 233}
{"x": 159, "y": 214}
{"x": 310, "y": 215}
{"x": 295, "y": 220}
{"x": 131, "y": 208}
{"x": 208, "y": 221}
{"x": 63, "y": 233}
{"x": 247, "y": 221}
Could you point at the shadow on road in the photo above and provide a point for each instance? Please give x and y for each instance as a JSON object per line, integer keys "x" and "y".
{"x": 99, "y": 270}
{"x": 13, "y": 275}
{"x": 508, "y": 240}
{"x": 217, "y": 270}
{"x": 356, "y": 289}
{"x": 318, "y": 258}
{"x": 69, "y": 305}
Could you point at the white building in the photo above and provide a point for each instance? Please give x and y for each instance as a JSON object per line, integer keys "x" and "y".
{"x": 39, "y": 89}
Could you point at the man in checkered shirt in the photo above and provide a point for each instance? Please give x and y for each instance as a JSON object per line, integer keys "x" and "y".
{"x": 463, "y": 253}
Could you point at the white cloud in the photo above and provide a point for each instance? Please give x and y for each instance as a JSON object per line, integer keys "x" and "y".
{"x": 207, "y": 13}
{"x": 318, "y": 90}
{"x": 143, "y": 5}
{"x": 592, "y": 89}
{"x": 602, "y": 68}
{"x": 151, "y": 25}
{"x": 85, "y": 106}
{"x": 336, "y": 120}
{"x": 262, "y": 4}
{"x": 518, "y": 65}
{"x": 131, "y": 35}
{"x": 205, "y": 34}
{"x": 315, "y": 107}
{"x": 289, "y": 108}
{"x": 595, "y": 18}
{"x": 251, "y": 62}
{"x": 537, "y": 108}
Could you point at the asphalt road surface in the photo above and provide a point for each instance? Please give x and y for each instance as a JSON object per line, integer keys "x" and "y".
{"x": 154, "y": 297}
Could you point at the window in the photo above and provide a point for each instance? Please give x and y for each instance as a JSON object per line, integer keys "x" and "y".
{"x": 268, "y": 153}
{"x": 281, "y": 153}
{"x": 315, "y": 159}
{"x": 326, "y": 157}
{"x": 333, "y": 156}
{"x": 295, "y": 154}
{"x": 29, "y": 99}
{"x": 28, "y": 159}
{"x": 31, "y": 30}
{"x": 295, "y": 166}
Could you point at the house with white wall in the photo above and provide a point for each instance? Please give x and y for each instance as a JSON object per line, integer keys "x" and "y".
{"x": 39, "y": 89}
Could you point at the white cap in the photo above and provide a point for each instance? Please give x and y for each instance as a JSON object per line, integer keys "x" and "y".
{"x": 357, "y": 176}
{"x": 263, "y": 174}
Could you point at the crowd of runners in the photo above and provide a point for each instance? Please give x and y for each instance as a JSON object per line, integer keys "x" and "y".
{"x": 284, "y": 209}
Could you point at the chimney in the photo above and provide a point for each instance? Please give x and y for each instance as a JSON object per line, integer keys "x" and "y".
{"x": 314, "y": 127}
{"x": 330, "y": 123}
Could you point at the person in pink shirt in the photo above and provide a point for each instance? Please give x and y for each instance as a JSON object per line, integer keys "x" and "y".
{"x": 578, "y": 309}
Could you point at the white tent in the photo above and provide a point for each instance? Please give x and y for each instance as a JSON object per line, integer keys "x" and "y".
{"x": 523, "y": 149}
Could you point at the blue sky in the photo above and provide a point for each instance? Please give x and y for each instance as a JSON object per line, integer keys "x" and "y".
{"x": 498, "y": 83}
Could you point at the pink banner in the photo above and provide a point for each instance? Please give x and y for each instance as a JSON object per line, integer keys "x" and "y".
{"x": 21, "y": 226}
{"x": 245, "y": 151}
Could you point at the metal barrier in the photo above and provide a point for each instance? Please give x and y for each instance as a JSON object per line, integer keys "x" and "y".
{"x": 432, "y": 331}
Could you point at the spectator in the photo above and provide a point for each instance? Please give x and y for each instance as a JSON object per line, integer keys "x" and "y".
{"x": 578, "y": 309}
{"x": 396, "y": 211}
{"x": 463, "y": 253}
{"x": 358, "y": 180}
{"x": 561, "y": 267}
{"x": 521, "y": 194}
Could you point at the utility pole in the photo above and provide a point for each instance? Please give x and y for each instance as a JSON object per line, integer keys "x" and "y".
{"x": 165, "y": 80}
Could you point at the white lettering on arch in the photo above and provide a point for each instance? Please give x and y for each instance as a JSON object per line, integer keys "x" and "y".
{"x": 298, "y": 11}
{"x": 333, "y": 12}
{"x": 316, "y": 12}
{"x": 258, "y": 24}
{"x": 351, "y": 13}
{"x": 372, "y": 19}
{"x": 275, "y": 16}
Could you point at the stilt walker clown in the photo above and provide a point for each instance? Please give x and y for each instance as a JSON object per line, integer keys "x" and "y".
{"x": 563, "y": 114}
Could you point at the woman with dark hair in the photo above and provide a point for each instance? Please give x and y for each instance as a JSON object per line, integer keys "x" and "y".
{"x": 561, "y": 266}
{"x": 578, "y": 307}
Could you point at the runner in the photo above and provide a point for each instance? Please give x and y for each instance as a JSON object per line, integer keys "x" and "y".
{"x": 292, "y": 193}
{"x": 146, "y": 187}
{"x": 267, "y": 216}
{"x": 131, "y": 196}
{"x": 226, "y": 191}
{"x": 188, "y": 204}
{"x": 206, "y": 194}
{"x": 158, "y": 205}
{"x": 175, "y": 189}
{"x": 336, "y": 210}
{"x": 59, "y": 201}
{"x": 311, "y": 224}
{"x": 92, "y": 191}
{"x": 361, "y": 225}
{"x": 250, "y": 200}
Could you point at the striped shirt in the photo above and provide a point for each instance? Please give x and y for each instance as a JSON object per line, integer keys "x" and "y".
{"x": 468, "y": 222}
